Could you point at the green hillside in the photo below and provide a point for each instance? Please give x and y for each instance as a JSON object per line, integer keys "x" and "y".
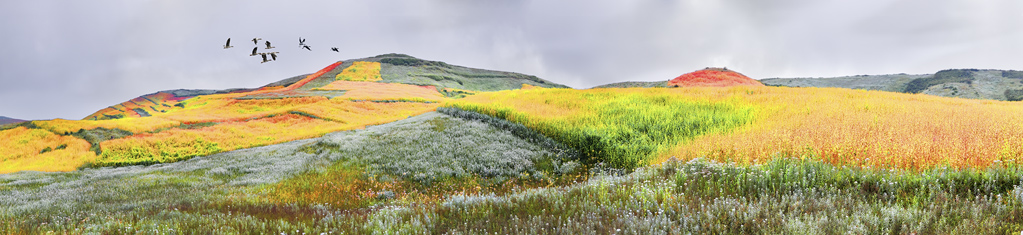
{"x": 400, "y": 68}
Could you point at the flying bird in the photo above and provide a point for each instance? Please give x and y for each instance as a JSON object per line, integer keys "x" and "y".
{"x": 228, "y": 44}
{"x": 307, "y": 47}
{"x": 256, "y": 40}
{"x": 264, "y": 58}
{"x": 301, "y": 42}
{"x": 334, "y": 49}
{"x": 273, "y": 55}
{"x": 254, "y": 51}
{"x": 268, "y": 45}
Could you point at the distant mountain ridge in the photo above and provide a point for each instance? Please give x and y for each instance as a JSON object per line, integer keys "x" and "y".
{"x": 964, "y": 83}
{"x": 7, "y": 120}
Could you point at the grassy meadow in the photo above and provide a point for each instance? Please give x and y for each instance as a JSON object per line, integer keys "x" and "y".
{"x": 345, "y": 153}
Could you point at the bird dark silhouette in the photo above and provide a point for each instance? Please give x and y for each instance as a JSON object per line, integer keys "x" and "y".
{"x": 301, "y": 42}
{"x": 254, "y": 51}
{"x": 307, "y": 47}
{"x": 334, "y": 49}
{"x": 264, "y": 58}
{"x": 268, "y": 45}
{"x": 273, "y": 55}
{"x": 256, "y": 40}
{"x": 228, "y": 44}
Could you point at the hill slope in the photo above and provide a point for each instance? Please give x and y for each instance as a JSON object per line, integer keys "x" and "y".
{"x": 963, "y": 83}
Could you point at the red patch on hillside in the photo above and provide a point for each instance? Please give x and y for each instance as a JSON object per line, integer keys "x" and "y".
{"x": 713, "y": 77}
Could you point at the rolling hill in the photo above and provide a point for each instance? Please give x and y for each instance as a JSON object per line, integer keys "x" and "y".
{"x": 450, "y": 80}
{"x": 175, "y": 125}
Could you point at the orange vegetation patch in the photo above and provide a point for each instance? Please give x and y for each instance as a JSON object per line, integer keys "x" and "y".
{"x": 867, "y": 128}
{"x": 383, "y": 91}
{"x": 40, "y": 150}
{"x": 361, "y": 71}
{"x": 713, "y": 77}
{"x": 313, "y": 76}
{"x": 284, "y": 125}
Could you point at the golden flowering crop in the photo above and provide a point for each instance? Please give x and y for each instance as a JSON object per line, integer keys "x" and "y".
{"x": 869, "y": 128}
{"x": 134, "y": 125}
{"x": 361, "y": 71}
{"x": 383, "y": 91}
{"x": 41, "y": 150}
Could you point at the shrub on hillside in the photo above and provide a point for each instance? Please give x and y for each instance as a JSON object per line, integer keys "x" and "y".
{"x": 413, "y": 62}
{"x": 1014, "y": 94}
{"x": 945, "y": 76}
{"x": 1012, "y": 74}
{"x": 96, "y": 135}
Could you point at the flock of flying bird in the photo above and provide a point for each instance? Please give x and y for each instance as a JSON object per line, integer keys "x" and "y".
{"x": 273, "y": 55}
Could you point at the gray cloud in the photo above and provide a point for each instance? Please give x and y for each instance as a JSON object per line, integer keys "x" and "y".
{"x": 68, "y": 59}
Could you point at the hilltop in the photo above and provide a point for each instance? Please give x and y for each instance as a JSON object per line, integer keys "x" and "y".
{"x": 964, "y": 83}
{"x": 717, "y": 77}
{"x": 713, "y": 77}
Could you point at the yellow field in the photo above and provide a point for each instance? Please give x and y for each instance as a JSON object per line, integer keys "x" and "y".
{"x": 41, "y": 150}
{"x": 869, "y": 128}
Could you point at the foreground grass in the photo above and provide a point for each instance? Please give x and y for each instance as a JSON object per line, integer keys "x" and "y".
{"x": 290, "y": 186}
{"x": 782, "y": 196}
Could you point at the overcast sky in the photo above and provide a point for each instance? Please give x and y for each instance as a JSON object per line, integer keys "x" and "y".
{"x": 67, "y": 59}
